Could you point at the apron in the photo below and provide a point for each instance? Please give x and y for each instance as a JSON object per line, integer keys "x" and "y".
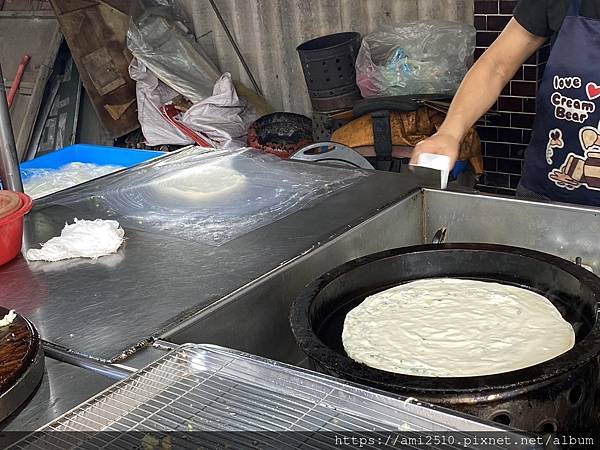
{"x": 562, "y": 161}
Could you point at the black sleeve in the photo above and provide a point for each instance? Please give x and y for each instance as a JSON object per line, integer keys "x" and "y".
{"x": 533, "y": 16}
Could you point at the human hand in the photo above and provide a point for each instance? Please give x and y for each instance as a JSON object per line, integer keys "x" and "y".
{"x": 439, "y": 144}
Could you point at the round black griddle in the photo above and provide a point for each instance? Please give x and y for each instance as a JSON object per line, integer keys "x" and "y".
{"x": 525, "y": 398}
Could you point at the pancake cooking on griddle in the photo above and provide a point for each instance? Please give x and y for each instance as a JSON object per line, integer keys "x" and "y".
{"x": 455, "y": 328}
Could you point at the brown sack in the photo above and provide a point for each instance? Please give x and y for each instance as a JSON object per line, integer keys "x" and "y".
{"x": 408, "y": 129}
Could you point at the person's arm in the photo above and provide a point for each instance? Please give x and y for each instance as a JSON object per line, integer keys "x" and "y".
{"x": 480, "y": 89}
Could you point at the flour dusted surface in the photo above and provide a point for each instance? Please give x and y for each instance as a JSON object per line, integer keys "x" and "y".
{"x": 455, "y": 328}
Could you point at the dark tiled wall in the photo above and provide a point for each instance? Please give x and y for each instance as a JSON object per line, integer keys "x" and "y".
{"x": 506, "y": 135}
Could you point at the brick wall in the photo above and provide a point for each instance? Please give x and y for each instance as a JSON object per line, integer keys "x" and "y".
{"x": 505, "y": 136}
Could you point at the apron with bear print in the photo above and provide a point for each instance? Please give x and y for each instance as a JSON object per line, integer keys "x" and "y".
{"x": 562, "y": 161}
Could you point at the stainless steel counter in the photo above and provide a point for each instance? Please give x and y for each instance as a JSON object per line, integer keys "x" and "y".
{"x": 239, "y": 295}
{"x": 156, "y": 282}
{"x": 260, "y": 312}
{"x": 568, "y": 231}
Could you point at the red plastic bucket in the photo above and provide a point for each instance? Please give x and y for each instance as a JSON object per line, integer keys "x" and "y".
{"x": 11, "y": 230}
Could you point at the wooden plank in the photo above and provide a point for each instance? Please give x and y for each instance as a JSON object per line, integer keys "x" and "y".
{"x": 122, "y": 5}
{"x": 41, "y": 14}
{"x": 24, "y": 5}
{"x": 96, "y": 34}
{"x": 67, "y": 6}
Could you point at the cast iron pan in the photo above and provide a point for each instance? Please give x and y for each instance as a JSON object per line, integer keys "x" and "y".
{"x": 280, "y": 133}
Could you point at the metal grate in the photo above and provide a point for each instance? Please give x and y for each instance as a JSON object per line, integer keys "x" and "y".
{"x": 208, "y": 388}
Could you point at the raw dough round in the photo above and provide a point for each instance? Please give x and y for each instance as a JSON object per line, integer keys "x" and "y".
{"x": 455, "y": 328}
{"x": 202, "y": 183}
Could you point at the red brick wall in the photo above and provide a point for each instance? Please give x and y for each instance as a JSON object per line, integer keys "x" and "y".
{"x": 505, "y": 137}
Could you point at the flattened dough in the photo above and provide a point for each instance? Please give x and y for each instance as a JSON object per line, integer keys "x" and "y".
{"x": 203, "y": 183}
{"x": 455, "y": 328}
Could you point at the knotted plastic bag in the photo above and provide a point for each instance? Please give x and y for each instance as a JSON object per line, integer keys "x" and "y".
{"x": 425, "y": 57}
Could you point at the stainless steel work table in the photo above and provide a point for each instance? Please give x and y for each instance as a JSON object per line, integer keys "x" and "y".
{"x": 238, "y": 295}
{"x": 155, "y": 283}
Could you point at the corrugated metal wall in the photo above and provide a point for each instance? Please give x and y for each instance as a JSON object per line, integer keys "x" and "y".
{"x": 268, "y": 32}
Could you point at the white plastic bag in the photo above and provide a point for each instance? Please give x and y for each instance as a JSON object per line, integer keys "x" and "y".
{"x": 425, "y": 57}
{"x": 223, "y": 116}
{"x": 159, "y": 38}
{"x": 167, "y": 62}
{"x": 151, "y": 94}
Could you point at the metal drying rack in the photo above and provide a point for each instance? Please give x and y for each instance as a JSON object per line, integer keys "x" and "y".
{"x": 223, "y": 396}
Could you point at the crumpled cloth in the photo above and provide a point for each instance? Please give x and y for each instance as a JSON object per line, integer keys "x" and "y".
{"x": 82, "y": 239}
{"x": 408, "y": 129}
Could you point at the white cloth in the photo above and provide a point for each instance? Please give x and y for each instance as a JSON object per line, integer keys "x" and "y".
{"x": 82, "y": 239}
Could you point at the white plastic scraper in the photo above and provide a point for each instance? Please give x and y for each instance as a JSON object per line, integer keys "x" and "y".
{"x": 432, "y": 169}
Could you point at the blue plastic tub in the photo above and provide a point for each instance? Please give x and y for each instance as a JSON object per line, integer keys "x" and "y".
{"x": 94, "y": 154}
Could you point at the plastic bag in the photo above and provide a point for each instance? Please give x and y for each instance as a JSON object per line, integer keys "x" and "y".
{"x": 209, "y": 197}
{"x": 40, "y": 182}
{"x": 167, "y": 62}
{"x": 159, "y": 38}
{"x": 151, "y": 94}
{"x": 222, "y": 116}
{"x": 426, "y": 57}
